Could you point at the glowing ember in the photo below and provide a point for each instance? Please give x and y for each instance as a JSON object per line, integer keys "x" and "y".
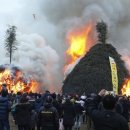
{"x": 126, "y": 88}
{"x": 15, "y": 81}
{"x": 78, "y": 40}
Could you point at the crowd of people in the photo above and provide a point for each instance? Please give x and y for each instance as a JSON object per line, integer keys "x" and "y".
{"x": 50, "y": 111}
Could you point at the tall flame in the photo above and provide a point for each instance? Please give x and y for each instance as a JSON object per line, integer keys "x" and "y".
{"x": 78, "y": 40}
{"x": 17, "y": 83}
{"x": 126, "y": 88}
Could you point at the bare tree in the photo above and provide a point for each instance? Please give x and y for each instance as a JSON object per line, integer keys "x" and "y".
{"x": 10, "y": 42}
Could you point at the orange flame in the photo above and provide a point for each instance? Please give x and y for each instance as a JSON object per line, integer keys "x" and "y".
{"x": 126, "y": 88}
{"x": 78, "y": 40}
{"x": 17, "y": 83}
{"x": 34, "y": 85}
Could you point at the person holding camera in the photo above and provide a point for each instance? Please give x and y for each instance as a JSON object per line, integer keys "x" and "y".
{"x": 106, "y": 119}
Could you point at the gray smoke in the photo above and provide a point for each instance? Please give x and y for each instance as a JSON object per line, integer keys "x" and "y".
{"x": 42, "y": 27}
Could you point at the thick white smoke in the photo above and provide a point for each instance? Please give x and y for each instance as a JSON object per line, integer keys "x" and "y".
{"x": 42, "y": 27}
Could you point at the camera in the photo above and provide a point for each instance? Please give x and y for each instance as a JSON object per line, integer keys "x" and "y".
{"x": 109, "y": 93}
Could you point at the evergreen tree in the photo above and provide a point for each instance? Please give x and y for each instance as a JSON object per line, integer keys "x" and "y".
{"x": 102, "y": 32}
{"x": 10, "y": 42}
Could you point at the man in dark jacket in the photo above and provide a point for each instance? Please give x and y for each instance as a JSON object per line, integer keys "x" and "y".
{"x": 68, "y": 114}
{"x": 107, "y": 119}
{"x": 5, "y": 107}
{"x": 38, "y": 103}
{"x": 48, "y": 116}
{"x": 23, "y": 114}
{"x": 56, "y": 104}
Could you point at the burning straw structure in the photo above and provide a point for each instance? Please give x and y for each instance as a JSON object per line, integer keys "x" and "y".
{"x": 16, "y": 80}
{"x": 93, "y": 72}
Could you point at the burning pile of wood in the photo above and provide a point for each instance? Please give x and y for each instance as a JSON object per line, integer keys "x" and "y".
{"x": 93, "y": 72}
{"x": 15, "y": 79}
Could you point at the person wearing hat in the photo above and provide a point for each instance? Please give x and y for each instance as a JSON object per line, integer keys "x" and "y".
{"x": 108, "y": 119}
{"x": 48, "y": 117}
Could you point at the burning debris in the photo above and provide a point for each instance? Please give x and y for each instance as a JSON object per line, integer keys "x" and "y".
{"x": 126, "y": 87}
{"x": 15, "y": 80}
{"x": 93, "y": 71}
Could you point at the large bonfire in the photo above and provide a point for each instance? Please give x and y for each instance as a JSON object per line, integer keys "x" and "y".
{"x": 15, "y": 80}
{"x": 93, "y": 72}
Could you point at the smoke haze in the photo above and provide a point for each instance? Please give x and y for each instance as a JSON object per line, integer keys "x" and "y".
{"x": 42, "y": 27}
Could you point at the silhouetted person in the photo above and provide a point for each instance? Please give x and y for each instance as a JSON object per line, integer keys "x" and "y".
{"x": 107, "y": 119}
{"x": 23, "y": 114}
{"x": 68, "y": 114}
{"x": 48, "y": 118}
{"x": 5, "y": 107}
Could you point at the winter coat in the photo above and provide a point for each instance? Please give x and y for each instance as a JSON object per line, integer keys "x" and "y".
{"x": 5, "y": 107}
{"x": 106, "y": 119}
{"x": 68, "y": 113}
{"x": 78, "y": 109}
{"x": 38, "y": 104}
{"x": 57, "y": 105}
{"x": 23, "y": 114}
{"x": 48, "y": 117}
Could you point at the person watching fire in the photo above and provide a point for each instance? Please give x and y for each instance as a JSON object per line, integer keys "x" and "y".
{"x": 5, "y": 108}
{"x": 107, "y": 119}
